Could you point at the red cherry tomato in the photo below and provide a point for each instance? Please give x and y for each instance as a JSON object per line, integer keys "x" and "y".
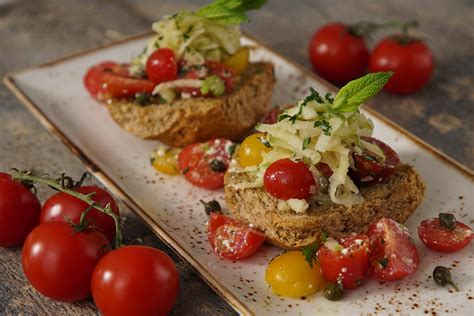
{"x": 135, "y": 280}
{"x": 441, "y": 239}
{"x": 232, "y": 239}
{"x": 349, "y": 264}
{"x": 204, "y": 164}
{"x": 109, "y": 79}
{"x": 209, "y": 68}
{"x": 393, "y": 253}
{"x": 370, "y": 168}
{"x": 272, "y": 116}
{"x": 412, "y": 63}
{"x": 336, "y": 54}
{"x": 161, "y": 66}
{"x": 286, "y": 179}
{"x": 59, "y": 262}
{"x": 63, "y": 207}
{"x": 19, "y": 211}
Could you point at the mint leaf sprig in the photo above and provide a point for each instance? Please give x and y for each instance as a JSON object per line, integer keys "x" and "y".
{"x": 229, "y": 11}
{"x": 347, "y": 100}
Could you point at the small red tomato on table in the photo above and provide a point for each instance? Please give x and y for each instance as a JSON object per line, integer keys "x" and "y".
{"x": 408, "y": 57}
{"x": 346, "y": 261}
{"x": 338, "y": 52}
{"x": 64, "y": 207}
{"x": 445, "y": 233}
{"x": 19, "y": 211}
{"x": 135, "y": 280}
{"x": 232, "y": 239}
{"x": 59, "y": 261}
{"x": 393, "y": 252}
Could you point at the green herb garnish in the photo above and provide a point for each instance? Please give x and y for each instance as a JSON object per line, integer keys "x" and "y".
{"x": 211, "y": 206}
{"x": 334, "y": 292}
{"x": 229, "y": 11}
{"x": 324, "y": 126}
{"x": 309, "y": 253}
{"x": 217, "y": 166}
{"x": 306, "y": 142}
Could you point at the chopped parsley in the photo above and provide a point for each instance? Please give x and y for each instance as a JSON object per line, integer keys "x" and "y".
{"x": 306, "y": 142}
{"x": 384, "y": 262}
{"x": 309, "y": 253}
{"x": 324, "y": 126}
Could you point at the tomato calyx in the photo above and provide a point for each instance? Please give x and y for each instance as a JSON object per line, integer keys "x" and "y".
{"x": 57, "y": 184}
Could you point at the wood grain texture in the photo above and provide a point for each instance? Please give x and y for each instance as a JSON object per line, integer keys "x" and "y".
{"x": 33, "y": 32}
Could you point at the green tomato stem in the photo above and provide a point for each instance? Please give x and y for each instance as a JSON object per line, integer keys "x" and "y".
{"x": 18, "y": 175}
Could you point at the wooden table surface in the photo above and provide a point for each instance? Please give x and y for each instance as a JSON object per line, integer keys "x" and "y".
{"x": 33, "y": 32}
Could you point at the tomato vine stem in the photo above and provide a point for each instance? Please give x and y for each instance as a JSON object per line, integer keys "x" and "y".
{"x": 57, "y": 184}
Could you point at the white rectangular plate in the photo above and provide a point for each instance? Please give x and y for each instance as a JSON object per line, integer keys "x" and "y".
{"x": 54, "y": 93}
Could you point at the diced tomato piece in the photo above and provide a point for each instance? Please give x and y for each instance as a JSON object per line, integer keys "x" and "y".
{"x": 393, "y": 252}
{"x": 349, "y": 263}
{"x": 232, "y": 239}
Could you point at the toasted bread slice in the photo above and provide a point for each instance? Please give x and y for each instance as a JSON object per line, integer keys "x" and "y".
{"x": 397, "y": 199}
{"x": 192, "y": 120}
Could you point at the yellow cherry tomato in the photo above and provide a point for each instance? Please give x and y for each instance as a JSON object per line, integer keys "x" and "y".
{"x": 239, "y": 60}
{"x": 290, "y": 275}
{"x": 251, "y": 149}
{"x": 165, "y": 160}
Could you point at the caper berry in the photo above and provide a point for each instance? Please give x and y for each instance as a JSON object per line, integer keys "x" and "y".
{"x": 211, "y": 206}
{"x": 442, "y": 276}
{"x": 333, "y": 292}
{"x": 447, "y": 220}
{"x": 217, "y": 166}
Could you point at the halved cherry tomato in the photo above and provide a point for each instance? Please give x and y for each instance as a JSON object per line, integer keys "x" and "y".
{"x": 286, "y": 179}
{"x": 393, "y": 252}
{"x": 232, "y": 239}
{"x": 109, "y": 79}
{"x": 204, "y": 164}
{"x": 165, "y": 160}
{"x": 324, "y": 169}
{"x": 289, "y": 274}
{"x": 161, "y": 66}
{"x": 251, "y": 150}
{"x": 438, "y": 238}
{"x": 370, "y": 168}
{"x": 239, "y": 61}
{"x": 347, "y": 262}
{"x": 272, "y": 116}
{"x": 63, "y": 207}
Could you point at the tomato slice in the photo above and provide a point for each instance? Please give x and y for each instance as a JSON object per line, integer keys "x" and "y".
{"x": 441, "y": 239}
{"x": 204, "y": 164}
{"x": 393, "y": 252}
{"x": 232, "y": 239}
{"x": 348, "y": 263}
{"x": 109, "y": 79}
{"x": 370, "y": 168}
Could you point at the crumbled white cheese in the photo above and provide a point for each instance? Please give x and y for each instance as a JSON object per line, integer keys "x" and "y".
{"x": 283, "y": 206}
{"x": 297, "y": 205}
{"x": 344, "y": 252}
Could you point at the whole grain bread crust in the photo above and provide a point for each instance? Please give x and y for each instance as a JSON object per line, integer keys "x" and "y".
{"x": 192, "y": 120}
{"x": 397, "y": 199}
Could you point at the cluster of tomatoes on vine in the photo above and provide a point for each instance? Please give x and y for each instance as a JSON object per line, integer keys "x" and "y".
{"x": 339, "y": 53}
{"x": 72, "y": 247}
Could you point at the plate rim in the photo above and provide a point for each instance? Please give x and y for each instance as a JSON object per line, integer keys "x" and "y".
{"x": 92, "y": 167}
